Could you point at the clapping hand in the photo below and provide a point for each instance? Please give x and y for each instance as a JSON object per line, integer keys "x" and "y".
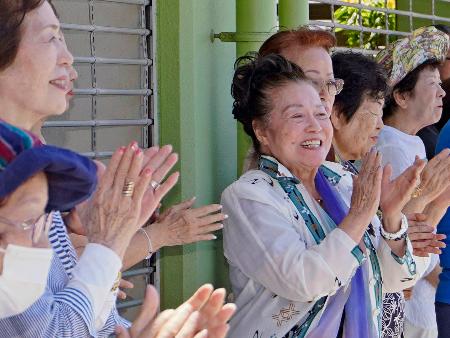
{"x": 113, "y": 216}
{"x": 203, "y": 315}
{"x": 435, "y": 178}
{"x": 422, "y": 236}
{"x": 395, "y": 194}
{"x": 182, "y": 224}
{"x": 157, "y": 160}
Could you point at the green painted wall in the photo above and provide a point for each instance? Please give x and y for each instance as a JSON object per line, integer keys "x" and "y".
{"x": 194, "y": 111}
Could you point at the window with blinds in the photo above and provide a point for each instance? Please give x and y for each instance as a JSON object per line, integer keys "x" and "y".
{"x": 111, "y": 41}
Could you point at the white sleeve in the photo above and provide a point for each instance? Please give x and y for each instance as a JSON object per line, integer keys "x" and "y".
{"x": 396, "y": 157}
{"x": 434, "y": 261}
{"x": 94, "y": 275}
{"x": 265, "y": 246}
{"x": 399, "y": 273}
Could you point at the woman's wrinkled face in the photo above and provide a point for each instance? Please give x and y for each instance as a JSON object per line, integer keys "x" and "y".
{"x": 356, "y": 137}
{"x": 425, "y": 103}
{"x": 26, "y": 203}
{"x": 39, "y": 78}
{"x": 298, "y": 131}
{"x": 317, "y": 65}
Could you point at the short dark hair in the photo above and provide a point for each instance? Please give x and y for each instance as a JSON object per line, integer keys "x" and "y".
{"x": 253, "y": 78}
{"x": 443, "y": 28}
{"x": 12, "y": 14}
{"x": 363, "y": 78}
{"x": 407, "y": 85}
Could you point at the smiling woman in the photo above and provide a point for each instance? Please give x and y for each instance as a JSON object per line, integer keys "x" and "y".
{"x": 303, "y": 220}
{"x": 35, "y": 64}
{"x": 309, "y": 48}
{"x": 415, "y": 102}
{"x": 35, "y": 80}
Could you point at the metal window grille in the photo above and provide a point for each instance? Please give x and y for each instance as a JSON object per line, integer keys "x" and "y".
{"x": 114, "y": 104}
{"x": 356, "y": 32}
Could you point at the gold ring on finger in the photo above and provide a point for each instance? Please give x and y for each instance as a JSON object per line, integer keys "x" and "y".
{"x": 128, "y": 189}
{"x": 417, "y": 192}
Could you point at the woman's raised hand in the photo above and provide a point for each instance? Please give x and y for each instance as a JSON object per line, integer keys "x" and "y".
{"x": 397, "y": 193}
{"x": 422, "y": 236}
{"x": 114, "y": 213}
{"x": 182, "y": 224}
{"x": 365, "y": 197}
{"x": 203, "y": 315}
{"x": 213, "y": 315}
{"x": 160, "y": 161}
{"x": 367, "y": 187}
{"x": 435, "y": 178}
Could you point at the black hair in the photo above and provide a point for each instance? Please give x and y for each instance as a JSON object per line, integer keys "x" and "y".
{"x": 406, "y": 85}
{"x": 443, "y": 28}
{"x": 363, "y": 78}
{"x": 253, "y": 78}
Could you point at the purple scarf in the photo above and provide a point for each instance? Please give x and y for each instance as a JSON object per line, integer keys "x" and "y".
{"x": 354, "y": 301}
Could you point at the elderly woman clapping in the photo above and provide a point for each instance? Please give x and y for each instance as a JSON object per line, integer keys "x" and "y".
{"x": 302, "y": 239}
{"x": 34, "y": 180}
{"x": 357, "y": 122}
{"x": 414, "y": 103}
{"x": 35, "y": 82}
{"x": 34, "y": 57}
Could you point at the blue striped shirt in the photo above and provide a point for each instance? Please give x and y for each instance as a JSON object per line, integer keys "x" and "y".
{"x": 61, "y": 311}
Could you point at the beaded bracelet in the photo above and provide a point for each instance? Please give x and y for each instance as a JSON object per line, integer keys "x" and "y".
{"x": 396, "y": 236}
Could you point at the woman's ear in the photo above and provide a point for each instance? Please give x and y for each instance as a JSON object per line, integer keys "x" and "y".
{"x": 260, "y": 132}
{"x": 401, "y": 99}
{"x": 337, "y": 119}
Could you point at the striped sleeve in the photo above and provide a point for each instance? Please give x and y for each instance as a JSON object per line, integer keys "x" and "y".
{"x": 62, "y": 311}
{"x": 65, "y": 314}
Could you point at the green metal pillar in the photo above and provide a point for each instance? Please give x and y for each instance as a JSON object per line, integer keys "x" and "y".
{"x": 293, "y": 13}
{"x": 194, "y": 78}
{"x": 252, "y": 16}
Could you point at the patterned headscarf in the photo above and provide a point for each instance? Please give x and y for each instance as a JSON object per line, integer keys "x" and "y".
{"x": 404, "y": 55}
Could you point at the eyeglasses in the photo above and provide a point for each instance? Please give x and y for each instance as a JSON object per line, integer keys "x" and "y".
{"x": 39, "y": 226}
{"x": 333, "y": 87}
